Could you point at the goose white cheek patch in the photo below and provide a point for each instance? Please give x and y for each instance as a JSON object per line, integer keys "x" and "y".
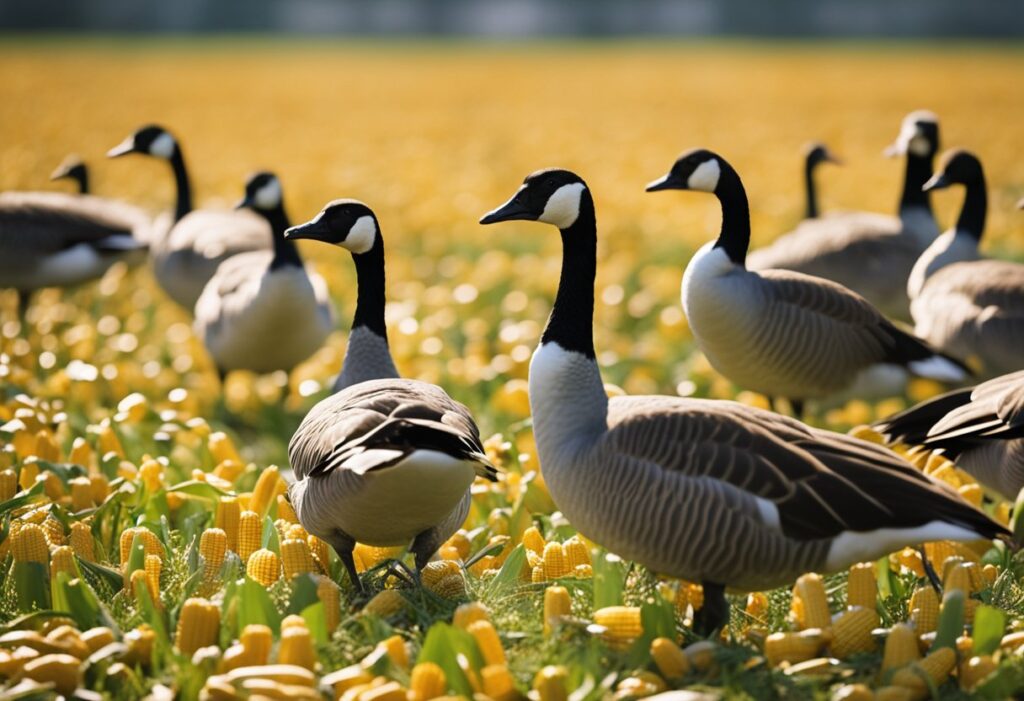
{"x": 162, "y": 146}
{"x": 705, "y": 176}
{"x": 362, "y": 235}
{"x": 268, "y": 196}
{"x": 563, "y": 207}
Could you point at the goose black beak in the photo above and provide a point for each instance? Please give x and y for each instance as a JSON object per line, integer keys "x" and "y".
{"x": 830, "y": 157}
{"x": 666, "y": 182}
{"x": 123, "y": 149}
{"x": 939, "y": 181}
{"x": 510, "y": 211}
{"x": 314, "y": 230}
{"x": 244, "y": 202}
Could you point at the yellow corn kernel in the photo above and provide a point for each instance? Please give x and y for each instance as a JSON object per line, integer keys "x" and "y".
{"x": 330, "y": 596}
{"x": 427, "y": 681}
{"x": 556, "y": 564}
{"x": 924, "y": 610}
{"x": 28, "y": 544}
{"x": 62, "y": 559}
{"x": 395, "y": 648}
{"x": 557, "y": 605}
{"x": 862, "y": 587}
{"x": 100, "y": 486}
{"x": 285, "y": 510}
{"x": 265, "y": 490}
{"x": 810, "y": 603}
{"x": 81, "y": 452}
{"x": 577, "y": 553}
{"x": 533, "y": 540}
{"x": 297, "y": 648}
{"x": 296, "y": 557}
{"x": 228, "y": 515}
{"x": 295, "y": 531}
{"x": 852, "y": 632}
{"x": 669, "y": 658}
{"x": 434, "y": 572}
{"x": 497, "y": 682}
{"x": 222, "y": 448}
{"x": 153, "y": 564}
{"x": 621, "y": 623}
{"x": 900, "y": 647}
{"x": 8, "y": 484}
{"x": 53, "y": 530}
{"x": 793, "y": 647}
{"x": 937, "y": 665}
{"x": 386, "y": 603}
{"x": 975, "y": 670}
{"x": 250, "y": 534}
{"x": 81, "y": 541}
{"x": 757, "y": 605}
{"x": 467, "y": 614}
{"x": 264, "y": 567}
{"x": 550, "y": 683}
{"x": 487, "y": 640}
{"x": 198, "y": 625}
{"x": 64, "y": 671}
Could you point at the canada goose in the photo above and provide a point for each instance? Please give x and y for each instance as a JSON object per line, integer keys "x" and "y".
{"x": 383, "y": 461}
{"x": 262, "y": 310}
{"x": 814, "y": 155}
{"x": 52, "y": 239}
{"x": 981, "y": 428}
{"x": 73, "y": 168}
{"x": 187, "y": 255}
{"x": 871, "y": 254}
{"x": 960, "y": 303}
{"x": 711, "y": 491}
{"x": 779, "y": 332}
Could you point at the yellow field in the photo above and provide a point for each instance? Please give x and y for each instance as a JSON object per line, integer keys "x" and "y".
{"x": 431, "y": 137}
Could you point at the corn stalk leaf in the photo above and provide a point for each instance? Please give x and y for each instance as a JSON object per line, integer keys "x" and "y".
{"x": 609, "y": 579}
{"x": 443, "y": 646}
{"x": 30, "y": 588}
{"x": 254, "y": 606}
{"x": 951, "y": 620}
{"x": 25, "y": 497}
{"x": 314, "y": 617}
{"x": 508, "y": 576}
{"x": 201, "y": 490}
{"x": 989, "y": 624}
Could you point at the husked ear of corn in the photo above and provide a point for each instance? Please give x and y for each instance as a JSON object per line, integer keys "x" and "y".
{"x": 213, "y": 547}
{"x": 64, "y": 671}
{"x": 264, "y": 567}
{"x": 140, "y": 645}
{"x": 810, "y": 603}
{"x": 330, "y": 596}
{"x": 937, "y": 665}
{"x": 62, "y": 559}
{"x": 222, "y": 448}
{"x": 556, "y": 564}
{"x": 974, "y": 670}
{"x": 900, "y": 647}
{"x": 81, "y": 493}
{"x": 320, "y": 552}
{"x": 557, "y": 605}
{"x": 551, "y": 683}
{"x": 621, "y": 623}
{"x": 265, "y": 491}
{"x": 28, "y": 544}
{"x": 498, "y": 683}
{"x": 250, "y": 534}
{"x": 427, "y": 681}
{"x": 81, "y": 541}
{"x": 862, "y": 586}
{"x": 793, "y": 647}
{"x": 434, "y": 572}
{"x": 669, "y": 658}
{"x": 533, "y": 540}
{"x": 296, "y": 557}
{"x": 285, "y": 510}
{"x": 385, "y": 603}
{"x": 396, "y": 649}
{"x": 467, "y": 614}
{"x": 151, "y": 473}
{"x": 198, "y": 625}
{"x": 257, "y": 639}
{"x": 853, "y": 692}
{"x": 757, "y": 605}
{"x": 97, "y": 638}
{"x": 460, "y": 541}
{"x": 297, "y": 648}
{"x": 227, "y": 519}
{"x": 487, "y": 640}
{"x": 81, "y": 452}
{"x": 150, "y": 543}
{"x": 8, "y": 484}
{"x": 386, "y": 691}
{"x": 577, "y": 553}
{"x": 851, "y": 632}
{"x": 924, "y": 610}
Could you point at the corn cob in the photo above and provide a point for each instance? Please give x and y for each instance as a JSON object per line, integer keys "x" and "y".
{"x": 426, "y": 682}
{"x": 198, "y": 625}
{"x": 435, "y": 571}
{"x": 150, "y": 543}
{"x": 151, "y": 473}
{"x": 257, "y": 640}
{"x": 81, "y": 494}
{"x": 556, "y": 563}
{"x": 345, "y": 679}
{"x": 28, "y": 544}
{"x": 852, "y": 632}
{"x": 295, "y": 531}
{"x": 467, "y": 614}
{"x": 669, "y": 658}
{"x": 53, "y": 530}
{"x": 557, "y": 605}
{"x": 862, "y": 587}
{"x": 139, "y": 642}
{"x": 497, "y": 682}
{"x": 265, "y": 491}
{"x": 974, "y": 670}
{"x": 386, "y": 603}
{"x": 27, "y": 474}
{"x": 320, "y": 552}
{"x": 285, "y": 510}
{"x": 900, "y": 648}
{"x": 250, "y": 534}
{"x": 222, "y": 448}
{"x": 264, "y": 567}
{"x": 533, "y": 540}
{"x": 460, "y": 541}
{"x": 330, "y": 596}
{"x": 621, "y": 623}
{"x": 576, "y": 552}
{"x": 98, "y": 638}
{"x": 894, "y": 693}
{"x": 213, "y": 547}
{"x": 989, "y": 574}
{"x": 46, "y": 447}
{"x": 297, "y": 647}
{"x": 810, "y": 603}
{"x": 296, "y": 557}
{"x": 234, "y": 657}
{"x": 62, "y": 559}
{"x": 924, "y": 610}
{"x": 396, "y": 650}
{"x": 957, "y": 577}
{"x": 793, "y": 647}
{"x": 537, "y": 574}
{"x": 583, "y": 572}
{"x": 680, "y": 598}
{"x": 757, "y": 605}
{"x": 386, "y": 691}
{"x": 937, "y": 665}
{"x": 8, "y": 484}
{"x": 107, "y": 441}
{"x": 487, "y": 640}
{"x": 137, "y": 582}
{"x": 100, "y": 486}
{"x": 64, "y": 671}
{"x": 81, "y": 452}
{"x": 228, "y": 515}
{"x": 550, "y": 684}
{"x": 498, "y": 522}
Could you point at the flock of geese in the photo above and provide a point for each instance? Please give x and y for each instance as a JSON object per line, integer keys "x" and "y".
{"x": 707, "y": 490}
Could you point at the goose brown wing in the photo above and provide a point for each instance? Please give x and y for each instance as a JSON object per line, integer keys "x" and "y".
{"x": 45, "y": 223}
{"x": 822, "y": 483}
{"x": 995, "y": 410}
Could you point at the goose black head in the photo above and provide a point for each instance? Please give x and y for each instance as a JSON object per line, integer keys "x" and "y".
{"x": 698, "y": 169}
{"x": 816, "y": 152}
{"x": 72, "y": 168}
{"x": 958, "y": 167}
{"x": 551, "y": 196}
{"x": 919, "y": 136}
{"x": 346, "y": 223}
{"x": 262, "y": 192}
{"x": 151, "y": 140}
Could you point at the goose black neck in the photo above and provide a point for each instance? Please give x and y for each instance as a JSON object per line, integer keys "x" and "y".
{"x": 285, "y": 251}
{"x": 370, "y": 283}
{"x": 571, "y": 324}
{"x": 812, "y": 194}
{"x": 734, "y": 238}
{"x": 918, "y": 172}
{"x": 972, "y": 214}
{"x": 81, "y": 176}
{"x": 184, "y": 204}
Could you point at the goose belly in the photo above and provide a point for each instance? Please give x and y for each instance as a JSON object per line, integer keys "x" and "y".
{"x": 274, "y": 325}
{"x": 389, "y": 506}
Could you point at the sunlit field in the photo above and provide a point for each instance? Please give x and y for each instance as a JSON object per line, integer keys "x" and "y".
{"x": 108, "y": 377}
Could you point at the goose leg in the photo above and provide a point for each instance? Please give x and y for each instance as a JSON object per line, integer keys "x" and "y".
{"x": 773, "y": 404}
{"x": 344, "y": 545}
{"x": 714, "y": 614}
{"x": 24, "y": 299}
{"x": 425, "y": 545}
{"x": 798, "y": 408}
{"x": 933, "y": 578}
{"x": 222, "y": 375}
